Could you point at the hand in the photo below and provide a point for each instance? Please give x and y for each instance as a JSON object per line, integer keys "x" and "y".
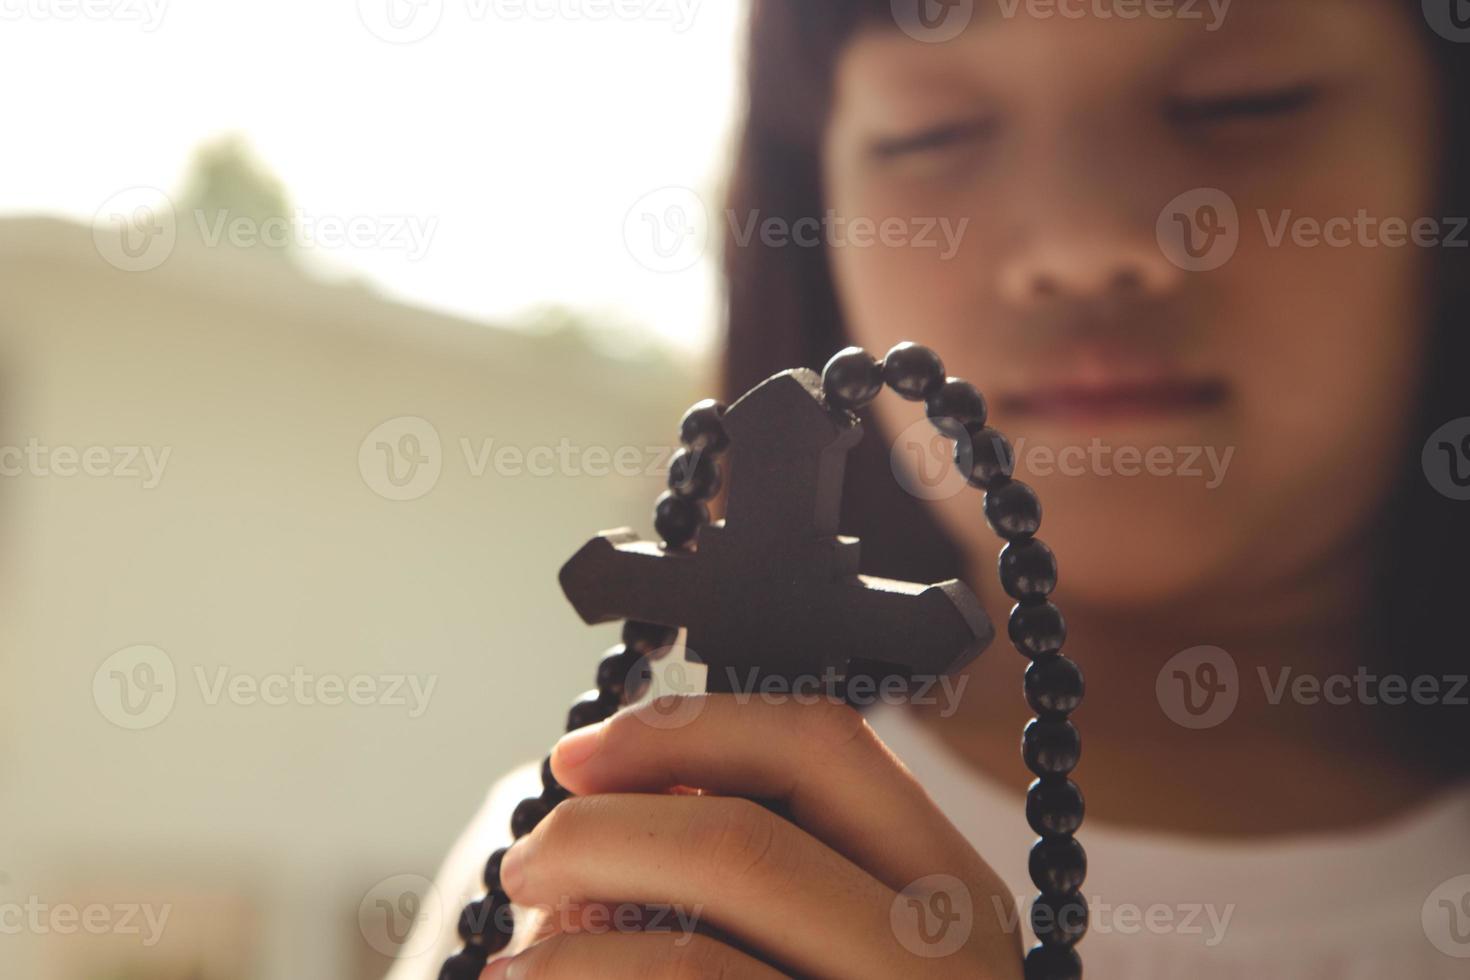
{"x": 836, "y": 891}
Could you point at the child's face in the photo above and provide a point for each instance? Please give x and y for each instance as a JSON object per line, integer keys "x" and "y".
{"x": 1261, "y": 397}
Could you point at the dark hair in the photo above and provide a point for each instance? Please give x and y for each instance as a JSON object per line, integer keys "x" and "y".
{"x": 783, "y": 312}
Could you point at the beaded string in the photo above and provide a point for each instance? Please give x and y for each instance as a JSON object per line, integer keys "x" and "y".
{"x": 1050, "y": 744}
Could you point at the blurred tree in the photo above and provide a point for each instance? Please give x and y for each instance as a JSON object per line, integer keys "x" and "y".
{"x": 231, "y": 198}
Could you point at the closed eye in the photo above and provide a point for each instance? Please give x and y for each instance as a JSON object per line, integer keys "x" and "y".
{"x": 1243, "y": 106}
{"x": 933, "y": 139}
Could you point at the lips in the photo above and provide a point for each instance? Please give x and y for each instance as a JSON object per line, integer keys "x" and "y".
{"x": 1095, "y": 400}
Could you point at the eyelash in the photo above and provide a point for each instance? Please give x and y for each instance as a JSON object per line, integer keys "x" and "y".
{"x": 1249, "y": 106}
{"x": 931, "y": 140}
{"x": 1184, "y": 112}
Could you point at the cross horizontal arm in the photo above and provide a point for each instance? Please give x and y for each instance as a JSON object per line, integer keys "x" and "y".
{"x": 617, "y": 575}
{"x": 930, "y": 629}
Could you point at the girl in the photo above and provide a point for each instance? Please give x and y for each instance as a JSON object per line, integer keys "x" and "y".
{"x": 1204, "y": 266}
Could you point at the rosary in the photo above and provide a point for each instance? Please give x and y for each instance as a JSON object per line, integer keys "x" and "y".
{"x": 778, "y": 551}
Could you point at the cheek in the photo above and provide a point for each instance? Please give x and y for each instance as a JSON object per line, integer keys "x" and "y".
{"x": 927, "y": 291}
{"x": 1321, "y": 344}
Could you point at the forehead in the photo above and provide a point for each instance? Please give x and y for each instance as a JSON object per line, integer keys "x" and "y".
{"x": 1094, "y": 40}
{"x": 945, "y": 30}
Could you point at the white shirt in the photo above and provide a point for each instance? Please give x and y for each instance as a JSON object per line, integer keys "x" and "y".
{"x": 1388, "y": 903}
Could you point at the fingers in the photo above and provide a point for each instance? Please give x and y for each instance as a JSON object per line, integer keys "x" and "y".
{"x": 631, "y": 956}
{"x": 727, "y": 862}
{"x": 840, "y": 782}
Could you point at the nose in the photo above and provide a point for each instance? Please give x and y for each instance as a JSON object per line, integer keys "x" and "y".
{"x": 1079, "y": 235}
{"x": 1075, "y": 265}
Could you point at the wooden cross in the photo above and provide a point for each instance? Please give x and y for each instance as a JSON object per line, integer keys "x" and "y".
{"x": 773, "y": 591}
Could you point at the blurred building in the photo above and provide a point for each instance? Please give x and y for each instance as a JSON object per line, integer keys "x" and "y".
{"x": 279, "y": 596}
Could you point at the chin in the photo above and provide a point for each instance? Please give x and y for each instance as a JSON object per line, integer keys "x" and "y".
{"x": 1130, "y": 544}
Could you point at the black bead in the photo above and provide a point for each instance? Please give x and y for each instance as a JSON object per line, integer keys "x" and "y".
{"x": 614, "y": 671}
{"x": 1059, "y": 920}
{"x": 648, "y": 639}
{"x": 1054, "y": 686}
{"x": 591, "y": 709}
{"x": 1058, "y": 865}
{"x": 550, "y": 788}
{"x": 492, "y": 870}
{"x": 703, "y": 428}
{"x": 1053, "y": 963}
{"x": 502, "y": 926}
{"x": 694, "y": 474}
{"x": 913, "y": 371}
{"x": 528, "y": 813}
{"x": 1037, "y": 629}
{"x": 852, "y": 379}
{"x": 1013, "y": 510}
{"x": 984, "y": 457}
{"x": 487, "y": 923}
{"x": 467, "y": 964}
{"x": 1054, "y": 806}
{"x": 1051, "y": 748}
{"x": 472, "y": 920}
{"x": 677, "y": 518}
{"x": 957, "y": 408}
{"x": 481, "y": 921}
{"x": 1028, "y": 569}
{"x": 638, "y": 681}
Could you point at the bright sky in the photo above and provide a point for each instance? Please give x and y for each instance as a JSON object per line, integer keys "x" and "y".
{"x": 530, "y": 142}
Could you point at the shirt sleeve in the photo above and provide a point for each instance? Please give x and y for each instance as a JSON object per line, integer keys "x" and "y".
{"x": 434, "y": 937}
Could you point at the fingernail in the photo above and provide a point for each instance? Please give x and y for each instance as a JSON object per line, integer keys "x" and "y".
{"x": 512, "y": 873}
{"x": 577, "y": 747}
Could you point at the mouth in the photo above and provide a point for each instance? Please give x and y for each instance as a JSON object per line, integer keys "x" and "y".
{"x": 1109, "y": 400}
